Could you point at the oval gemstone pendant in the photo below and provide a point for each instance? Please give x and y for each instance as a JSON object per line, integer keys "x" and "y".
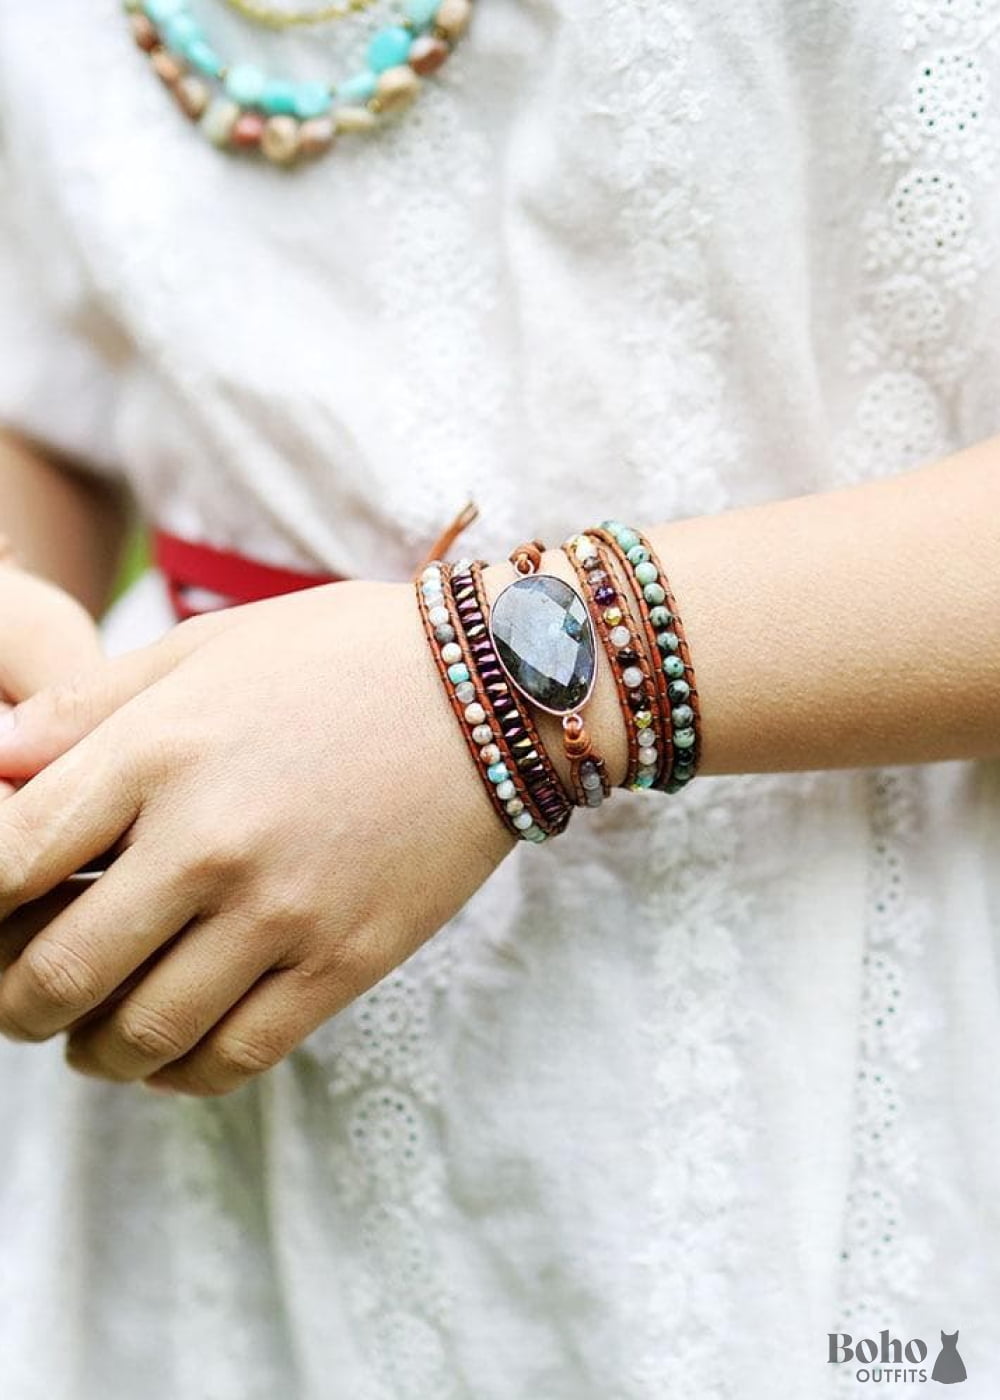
{"x": 544, "y": 637}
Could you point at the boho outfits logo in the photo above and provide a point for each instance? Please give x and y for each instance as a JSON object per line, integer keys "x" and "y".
{"x": 891, "y": 1361}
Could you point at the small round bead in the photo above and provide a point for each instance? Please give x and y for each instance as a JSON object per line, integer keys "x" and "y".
{"x": 428, "y": 54}
{"x": 667, "y": 641}
{"x": 360, "y": 88}
{"x": 620, "y": 636}
{"x": 497, "y": 772}
{"x": 684, "y": 738}
{"x": 248, "y": 129}
{"x": 432, "y": 572}
{"x": 482, "y": 734}
{"x": 280, "y": 141}
{"x": 613, "y": 527}
{"x": 584, "y": 548}
{"x": 451, "y": 653}
{"x": 180, "y": 30}
{"x": 613, "y": 616}
{"x": 646, "y": 573}
{"x": 489, "y": 753}
{"x": 192, "y": 96}
{"x": 420, "y": 13}
{"x": 628, "y": 539}
{"x": 219, "y": 119}
{"x": 643, "y": 779}
{"x": 311, "y": 100}
{"x": 523, "y": 820}
{"x": 660, "y": 617}
{"x": 590, "y": 780}
{"x": 647, "y": 756}
{"x": 458, "y": 673}
{"x": 673, "y": 667}
{"x": 444, "y": 632}
{"x": 645, "y": 738}
{"x": 245, "y": 84}
{"x": 389, "y": 47}
{"x": 396, "y": 87}
{"x": 643, "y": 719}
{"x": 144, "y": 32}
{"x": 678, "y": 691}
{"x": 200, "y": 54}
{"x": 632, "y": 677}
{"x": 316, "y": 135}
{"x": 452, "y": 18}
{"x": 355, "y": 119}
{"x": 506, "y": 790}
{"x": 638, "y": 554}
{"x": 475, "y": 714}
{"x": 514, "y": 806}
{"x": 438, "y": 617}
{"x": 654, "y": 593}
{"x": 682, "y": 715}
{"x": 465, "y": 693}
{"x": 595, "y": 797}
{"x": 605, "y": 594}
{"x": 167, "y": 67}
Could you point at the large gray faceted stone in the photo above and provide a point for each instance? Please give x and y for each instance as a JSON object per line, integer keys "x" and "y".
{"x": 545, "y": 639}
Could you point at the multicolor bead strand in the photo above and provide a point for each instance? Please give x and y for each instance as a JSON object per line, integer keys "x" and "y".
{"x": 440, "y": 617}
{"x": 668, "y": 645}
{"x": 240, "y": 107}
{"x": 518, "y": 736}
{"x": 647, "y": 735}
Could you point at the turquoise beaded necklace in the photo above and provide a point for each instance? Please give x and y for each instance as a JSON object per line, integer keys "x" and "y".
{"x": 241, "y": 108}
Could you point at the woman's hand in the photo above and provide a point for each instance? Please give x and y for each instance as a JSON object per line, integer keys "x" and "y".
{"x": 45, "y": 636}
{"x": 294, "y": 814}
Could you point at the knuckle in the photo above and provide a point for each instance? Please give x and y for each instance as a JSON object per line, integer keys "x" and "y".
{"x": 60, "y": 976}
{"x": 150, "y": 1035}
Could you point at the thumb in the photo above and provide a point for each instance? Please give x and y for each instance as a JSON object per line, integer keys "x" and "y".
{"x": 44, "y": 726}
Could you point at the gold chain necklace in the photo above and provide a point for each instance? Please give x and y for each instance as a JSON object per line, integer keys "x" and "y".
{"x": 280, "y": 19}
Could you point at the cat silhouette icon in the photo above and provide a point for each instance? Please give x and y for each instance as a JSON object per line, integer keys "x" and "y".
{"x": 949, "y": 1366}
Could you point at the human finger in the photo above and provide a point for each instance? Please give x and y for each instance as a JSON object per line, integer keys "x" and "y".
{"x": 182, "y": 996}
{"x": 28, "y": 921}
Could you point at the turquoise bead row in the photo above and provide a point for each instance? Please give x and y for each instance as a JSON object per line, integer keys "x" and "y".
{"x": 676, "y": 683}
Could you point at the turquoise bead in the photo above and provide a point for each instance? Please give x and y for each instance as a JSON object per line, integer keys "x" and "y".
{"x": 678, "y": 691}
{"x": 458, "y": 673}
{"x": 638, "y": 554}
{"x": 646, "y": 572}
{"x": 179, "y": 31}
{"x": 660, "y": 617}
{"x": 684, "y": 738}
{"x": 673, "y": 667}
{"x": 245, "y": 84}
{"x": 160, "y": 11}
{"x": 421, "y": 13}
{"x": 389, "y": 48}
{"x": 278, "y": 97}
{"x": 200, "y": 54}
{"x": 654, "y": 593}
{"x": 643, "y": 780}
{"x": 667, "y": 641}
{"x": 613, "y": 527}
{"x": 312, "y": 100}
{"x": 682, "y": 716}
{"x": 628, "y": 539}
{"x": 498, "y": 772}
{"x": 360, "y": 88}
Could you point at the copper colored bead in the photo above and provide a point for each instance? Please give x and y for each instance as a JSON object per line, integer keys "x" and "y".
{"x": 316, "y": 136}
{"x": 280, "y": 140}
{"x": 452, "y": 19}
{"x": 192, "y": 96}
{"x": 427, "y": 54}
{"x": 396, "y": 88}
{"x": 167, "y": 68}
{"x": 247, "y": 129}
{"x": 144, "y": 32}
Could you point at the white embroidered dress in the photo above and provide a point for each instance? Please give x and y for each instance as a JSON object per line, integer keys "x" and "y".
{"x": 713, "y": 1076}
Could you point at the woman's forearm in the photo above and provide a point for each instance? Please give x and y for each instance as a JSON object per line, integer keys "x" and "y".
{"x": 62, "y": 524}
{"x": 849, "y": 628}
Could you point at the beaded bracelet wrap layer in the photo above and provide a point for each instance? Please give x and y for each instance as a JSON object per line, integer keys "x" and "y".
{"x": 626, "y": 651}
{"x": 518, "y": 736}
{"x": 508, "y": 791}
{"x": 676, "y": 687}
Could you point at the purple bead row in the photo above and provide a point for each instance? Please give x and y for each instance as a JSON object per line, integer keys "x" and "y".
{"x": 539, "y": 776}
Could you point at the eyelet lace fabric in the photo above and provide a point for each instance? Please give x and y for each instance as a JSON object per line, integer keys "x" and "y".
{"x": 667, "y": 1102}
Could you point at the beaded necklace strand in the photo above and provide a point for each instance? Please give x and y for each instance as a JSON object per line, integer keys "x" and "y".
{"x": 242, "y": 108}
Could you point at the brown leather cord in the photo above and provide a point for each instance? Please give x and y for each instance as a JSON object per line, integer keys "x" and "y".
{"x": 634, "y": 653}
{"x": 668, "y": 759}
{"x": 448, "y": 536}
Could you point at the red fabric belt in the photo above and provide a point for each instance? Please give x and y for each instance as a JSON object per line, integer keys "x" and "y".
{"x": 233, "y": 577}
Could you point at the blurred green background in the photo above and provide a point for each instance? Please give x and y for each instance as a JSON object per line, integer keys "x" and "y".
{"x": 136, "y": 559}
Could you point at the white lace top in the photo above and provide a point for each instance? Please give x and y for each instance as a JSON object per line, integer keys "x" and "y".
{"x": 712, "y": 1076}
